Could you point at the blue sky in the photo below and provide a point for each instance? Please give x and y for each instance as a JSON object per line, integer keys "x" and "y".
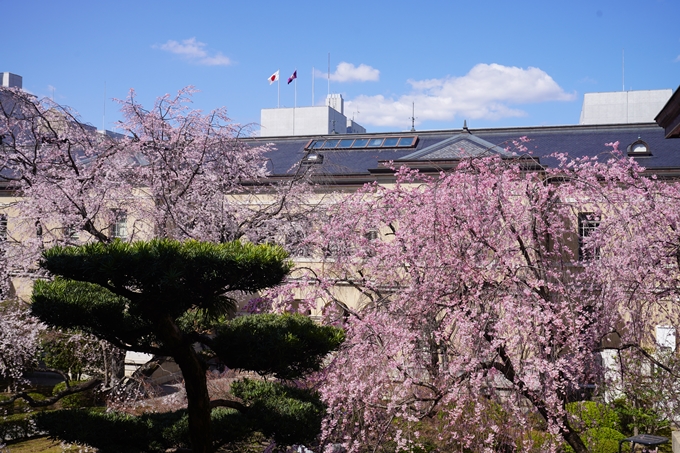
{"x": 494, "y": 63}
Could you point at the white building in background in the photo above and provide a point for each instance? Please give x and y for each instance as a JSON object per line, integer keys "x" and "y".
{"x": 9, "y": 80}
{"x": 317, "y": 120}
{"x": 623, "y": 107}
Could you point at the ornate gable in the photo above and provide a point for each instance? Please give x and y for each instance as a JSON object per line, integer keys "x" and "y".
{"x": 459, "y": 146}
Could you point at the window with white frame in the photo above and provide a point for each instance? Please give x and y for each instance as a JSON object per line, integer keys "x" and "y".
{"x": 71, "y": 233}
{"x": 119, "y": 225}
{"x": 3, "y": 227}
{"x": 665, "y": 337}
{"x": 588, "y": 223}
{"x": 371, "y": 235}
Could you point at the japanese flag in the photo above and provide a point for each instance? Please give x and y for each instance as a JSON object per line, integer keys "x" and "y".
{"x": 274, "y": 77}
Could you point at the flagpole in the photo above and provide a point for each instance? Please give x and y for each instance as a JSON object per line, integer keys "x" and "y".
{"x": 312, "y": 86}
{"x": 278, "y": 99}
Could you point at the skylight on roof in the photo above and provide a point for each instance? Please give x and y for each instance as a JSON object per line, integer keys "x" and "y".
{"x": 364, "y": 143}
{"x": 331, "y": 143}
{"x": 405, "y": 142}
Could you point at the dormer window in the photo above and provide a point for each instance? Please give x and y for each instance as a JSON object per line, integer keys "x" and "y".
{"x": 639, "y": 148}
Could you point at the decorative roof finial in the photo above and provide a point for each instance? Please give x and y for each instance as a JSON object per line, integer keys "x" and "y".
{"x": 465, "y": 128}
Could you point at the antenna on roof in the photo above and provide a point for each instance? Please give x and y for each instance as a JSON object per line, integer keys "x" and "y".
{"x": 465, "y": 128}
{"x": 329, "y": 73}
{"x": 104, "y": 116}
{"x": 413, "y": 117}
{"x": 623, "y": 70}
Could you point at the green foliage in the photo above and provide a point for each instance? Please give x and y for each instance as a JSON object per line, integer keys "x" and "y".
{"x": 590, "y": 414}
{"x": 76, "y": 400}
{"x": 19, "y": 405}
{"x": 290, "y": 415}
{"x": 599, "y": 440}
{"x": 68, "y": 304}
{"x": 598, "y": 425}
{"x": 228, "y": 425}
{"x": 643, "y": 416}
{"x": 159, "y": 297}
{"x": 287, "y": 346}
{"x": 115, "y": 291}
{"x": 42, "y": 444}
{"x": 198, "y": 320}
{"x": 115, "y": 431}
{"x": 17, "y": 426}
{"x": 540, "y": 440}
{"x": 176, "y": 271}
{"x": 109, "y": 432}
{"x": 72, "y": 352}
{"x": 602, "y": 440}
{"x": 58, "y": 353}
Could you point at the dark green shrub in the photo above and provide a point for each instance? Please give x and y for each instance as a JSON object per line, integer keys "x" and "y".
{"x": 590, "y": 414}
{"x": 109, "y": 432}
{"x": 290, "y": 415}
{"x": 17, "y": 426}
{"x": 113, "y": 432}
{"x": 602, "y": 440}
{"x": 87, "y": 398}
{"x": 598, "y": 425}
{"x": 287, "y": 346}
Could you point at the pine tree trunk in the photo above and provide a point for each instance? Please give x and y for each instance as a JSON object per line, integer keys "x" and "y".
{"x": 200, "y": 428}
{"x": 193, "y": 371}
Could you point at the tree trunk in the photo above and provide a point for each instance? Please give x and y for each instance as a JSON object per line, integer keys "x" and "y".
{"x": 538, "y": 401}
{"x": 200, "y": 427}
{"x": 574, "y": 440}
{"x": 117, "y": 364}
{"x": 193, "y": 371}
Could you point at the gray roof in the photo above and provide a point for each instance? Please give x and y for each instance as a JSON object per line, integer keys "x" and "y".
{"x": 458, "y": 146}
{"x": 577, "y": 141}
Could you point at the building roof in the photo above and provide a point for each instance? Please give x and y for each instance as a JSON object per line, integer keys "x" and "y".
{"x": 661, "y": 156}
{"x": 458, "y": 146}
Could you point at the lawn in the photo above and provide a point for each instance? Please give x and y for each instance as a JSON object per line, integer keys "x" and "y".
{"x": 40, "y": 445}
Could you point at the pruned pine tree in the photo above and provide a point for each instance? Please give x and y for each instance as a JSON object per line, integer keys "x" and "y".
{"x": 141, "y": 297}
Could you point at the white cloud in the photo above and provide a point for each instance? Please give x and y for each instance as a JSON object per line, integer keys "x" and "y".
{"x": 488, "y": 91}
{"x": 194, "y": 51}
{"x": 347, "y": 72}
